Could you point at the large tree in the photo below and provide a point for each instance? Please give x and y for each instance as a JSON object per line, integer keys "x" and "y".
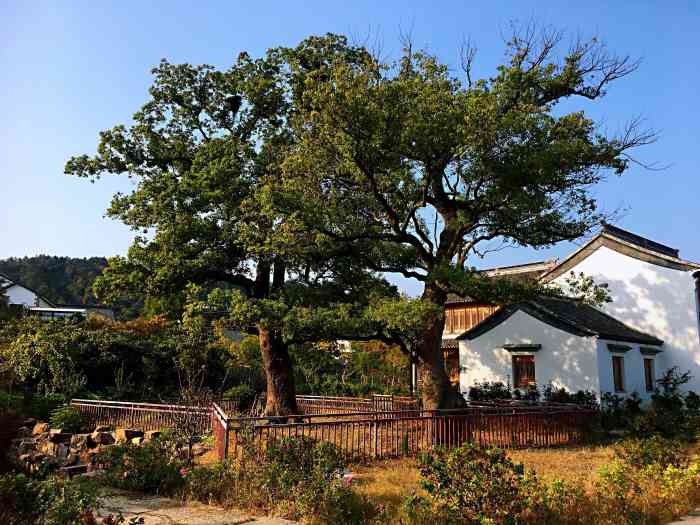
{"x": 204, "y": 153}
{"x": 416, "y": 171}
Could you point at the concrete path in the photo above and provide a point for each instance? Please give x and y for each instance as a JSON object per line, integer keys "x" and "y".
{"x": 165, "y": 511}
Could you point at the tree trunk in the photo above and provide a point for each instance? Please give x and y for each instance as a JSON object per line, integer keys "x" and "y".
{"x": 436, "y": 391}
{"x": 281, "y": 394}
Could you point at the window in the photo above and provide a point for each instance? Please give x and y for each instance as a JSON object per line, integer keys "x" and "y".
{"x": 618, "y": 365}
{"x": 523, "y": 370}
{"x": 649, "y": 374}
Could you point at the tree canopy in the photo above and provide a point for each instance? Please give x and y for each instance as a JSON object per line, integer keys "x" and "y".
{"x": 416, "y": 170}
{"x": 285, "y": 185}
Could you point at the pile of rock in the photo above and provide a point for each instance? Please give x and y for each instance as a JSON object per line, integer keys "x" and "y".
{"x": 38, "y": 446}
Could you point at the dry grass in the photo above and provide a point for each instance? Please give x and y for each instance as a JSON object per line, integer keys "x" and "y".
{"x": 579, "y": 464}
{"x": 388, "y": 482}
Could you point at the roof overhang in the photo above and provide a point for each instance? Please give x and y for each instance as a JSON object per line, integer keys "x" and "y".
{"x": 608, "y": 240}
{"x": 522, "y": 347}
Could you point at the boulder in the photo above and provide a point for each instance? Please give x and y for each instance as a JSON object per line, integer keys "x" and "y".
{"x": 24, "y": 432}
{"x": 71, "y": 459}
{"x": 123, "y": 435}
{"x": 26, "y": 445}
{"x": 40, "y": 428}
{"x": 137, "y": 440}
{"x": 58, "y": 436}
{"x": 80, "y": 441}
{"x": 62, "y": 450}
{"x": 102, "y": 438}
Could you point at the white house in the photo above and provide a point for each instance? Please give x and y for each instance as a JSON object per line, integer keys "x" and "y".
{"x": 19, "y": 294}
{"x": 652, "y": 324}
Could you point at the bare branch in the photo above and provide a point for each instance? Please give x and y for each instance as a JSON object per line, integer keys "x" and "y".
{"x": 467, "y": 52}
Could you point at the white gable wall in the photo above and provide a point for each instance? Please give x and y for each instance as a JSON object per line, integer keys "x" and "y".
{"x": 655, "y": 299}
{"x": 18, "y": 294}
{"x": 565, "y": 360}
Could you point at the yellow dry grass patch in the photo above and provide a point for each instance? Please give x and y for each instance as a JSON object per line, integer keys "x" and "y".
{"x": 387, "y": 483}
{"x": 579, "y": 464}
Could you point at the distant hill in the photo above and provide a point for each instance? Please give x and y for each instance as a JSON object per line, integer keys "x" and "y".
{"x": 62, "y": 280}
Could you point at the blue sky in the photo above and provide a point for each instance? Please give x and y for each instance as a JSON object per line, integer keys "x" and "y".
{"x": 71, "y": 69}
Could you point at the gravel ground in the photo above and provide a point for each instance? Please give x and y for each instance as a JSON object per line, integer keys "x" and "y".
{"x": 164, "y": 511}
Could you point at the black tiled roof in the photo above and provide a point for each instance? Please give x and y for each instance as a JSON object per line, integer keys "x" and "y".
{"x": 640, "y": 241}
{"x": 571, "y": 316}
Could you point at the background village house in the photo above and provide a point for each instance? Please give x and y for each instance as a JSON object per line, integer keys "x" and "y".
{"x": 23, "y": 296}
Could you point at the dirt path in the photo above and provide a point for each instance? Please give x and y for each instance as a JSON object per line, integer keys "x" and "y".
{"x": 164, "y": 511}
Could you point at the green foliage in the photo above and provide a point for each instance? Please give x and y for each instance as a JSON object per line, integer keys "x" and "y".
{"x": 586, "y": 398}
{"x": 642, "y": 452}
{"x": 119, "y": 360}
{"x": 424, "y": 167}
{"x": 584, "y": 288}
{"x": 496, "y": 391}
{"x": 489, "y": 391}
{"x": 367, "y": 369}
{"x": 53, "y": 501}
{"x": 646, "y": 483}
{"x": 67, "y": 418}
{"x": 32, "y": 405}
{"x": 296, "y": 477}
{"x": 672, "y": 412}
{"x": 619, "y": 411}
{"x": 152, "y": 467}
{"x": 475, "y": 485}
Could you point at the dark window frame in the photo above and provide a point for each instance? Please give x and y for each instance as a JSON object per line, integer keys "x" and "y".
{"x": 523, "y": 370}
{"x": 618, "y": 370}
{"x": 649, "y": 374}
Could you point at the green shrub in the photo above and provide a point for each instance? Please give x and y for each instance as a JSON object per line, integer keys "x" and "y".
{"x": 299, "y": 478}
{"x": 586, "y": 398}
{"x": 475, "y": 484}
{"x": 643, "y": 452}
{"x": 68, "y": 418}
{"x": 152, "y": 468}
{"x": 487, "y": 391}
{"x": 242, "y": 395}
{"x": 53, "y": 501}
{"x": 645, "y": 484}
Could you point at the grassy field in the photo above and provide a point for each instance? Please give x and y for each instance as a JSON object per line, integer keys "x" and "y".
{"x": 387, "y": 483}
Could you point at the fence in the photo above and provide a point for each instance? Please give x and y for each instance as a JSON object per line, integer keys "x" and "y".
{"x": 144, "y": 416}
{"x": 154, "y": 416}
{"x": 368, "y": 435}
{"x": 312, "y": 405}
{"x": 361, "y": 434}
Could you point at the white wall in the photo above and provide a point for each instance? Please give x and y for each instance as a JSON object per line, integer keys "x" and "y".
{"x": 654, "y": 299}
{"x": 18, "y": 294}
{"x": 565, "y": 360}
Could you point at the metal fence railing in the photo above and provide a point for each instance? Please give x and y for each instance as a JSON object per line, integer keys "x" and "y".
{"x": 375, "y": 403}
{"x": 361, "y": 434}
{"x": 405, "y": 433}
{"x": 144, "y": 416}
